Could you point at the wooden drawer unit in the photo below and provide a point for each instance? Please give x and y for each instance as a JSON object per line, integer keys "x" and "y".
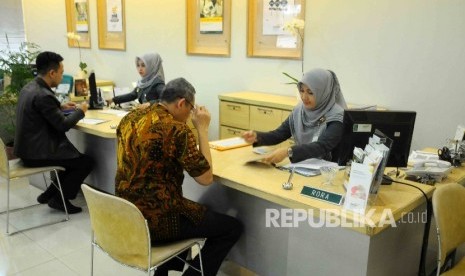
{"x": 284, "y": 115}
{"x": 246, "y": 110}
{"x": 234, "y": 114}
{"x": 229, "y": 132}
{"x": 264, "y": 118}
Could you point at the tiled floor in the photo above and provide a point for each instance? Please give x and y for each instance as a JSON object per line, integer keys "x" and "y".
{"x": 59, "y": 249}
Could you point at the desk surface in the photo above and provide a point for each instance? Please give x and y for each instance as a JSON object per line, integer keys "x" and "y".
{"x": 265, "y": 182}
{"x": 103, "y": 129}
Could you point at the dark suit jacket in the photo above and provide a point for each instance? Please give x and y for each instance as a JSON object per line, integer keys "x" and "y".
{"x": 41, "y": 124}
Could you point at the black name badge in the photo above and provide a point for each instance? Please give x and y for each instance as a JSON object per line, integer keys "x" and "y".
{"x": 322, "y": 195}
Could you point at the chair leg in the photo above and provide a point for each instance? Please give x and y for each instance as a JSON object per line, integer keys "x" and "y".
{"x": 92, "y": 253}
{"x": 45, "y": 181}
{"x": 8, "y": 211}
{"x": 7, "y": 206}
{"x": 200, "y": 259}
{"x": 61, "y": 193}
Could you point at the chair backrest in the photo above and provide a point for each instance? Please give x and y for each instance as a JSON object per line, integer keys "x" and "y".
{"x": 4, "y": 166}
{"x": 119, "y": 227}
{"x": 449, "y": 213}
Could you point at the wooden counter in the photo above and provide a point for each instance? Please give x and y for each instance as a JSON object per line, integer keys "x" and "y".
{"x": 265, "y": 182}
{"x": 249, "y": 192}
{"x": 103, "y": 129}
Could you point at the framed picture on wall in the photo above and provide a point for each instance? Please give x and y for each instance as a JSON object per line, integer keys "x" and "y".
{"x": 267, "y": 34}
{"x": 208, "y": 27}
{"x": 111, "y": 24}
{"x": 77, "y": 23}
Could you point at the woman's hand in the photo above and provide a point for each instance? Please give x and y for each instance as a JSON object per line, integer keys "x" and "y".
{"x": 109, "y": 101}
{"x": 276, "y": 156}
{"x": 143, "y": 106}
{"x": 249, "y": 136}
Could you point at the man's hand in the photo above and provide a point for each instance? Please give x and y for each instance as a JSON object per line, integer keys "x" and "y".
{"x": 201, "y": 118}
{"x": 83, "y": 106}
{"x": 68, "y": 106}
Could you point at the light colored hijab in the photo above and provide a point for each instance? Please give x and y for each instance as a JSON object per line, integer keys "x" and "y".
{"x": 307, "y": 124}
{"x": 153, "y": 69}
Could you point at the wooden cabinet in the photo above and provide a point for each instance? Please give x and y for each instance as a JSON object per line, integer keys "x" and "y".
{"x": 234, "y": 114}
{"x": 246, "y": 110}
{"x": 264, "y": 118}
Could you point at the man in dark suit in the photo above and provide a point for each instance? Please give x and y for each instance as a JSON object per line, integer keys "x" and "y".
{"x": 40, "y": 132}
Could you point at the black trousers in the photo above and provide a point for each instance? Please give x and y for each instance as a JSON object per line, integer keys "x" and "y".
{"x": 77, "y": 169}
{"x": 221, "y": 231}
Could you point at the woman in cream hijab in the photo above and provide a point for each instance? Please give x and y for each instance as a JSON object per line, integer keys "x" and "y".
{"x": 152, "y": 82}
{"x": 315, "y": 123}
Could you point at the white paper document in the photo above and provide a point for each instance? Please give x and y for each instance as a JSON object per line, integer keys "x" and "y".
{"x": 91, "y": 121}
{"x": 309, "y": 167}
{"x": 119, "y": 113}
{"x": 312, "y": 163}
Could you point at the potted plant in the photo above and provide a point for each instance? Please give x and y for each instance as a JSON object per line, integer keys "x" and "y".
{"x": 16, "y": 67}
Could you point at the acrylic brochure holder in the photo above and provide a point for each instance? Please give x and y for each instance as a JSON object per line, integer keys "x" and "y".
{"x": 367, "y": 173}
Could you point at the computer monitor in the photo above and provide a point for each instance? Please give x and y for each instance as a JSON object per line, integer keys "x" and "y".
{"x": 359, "y": 125}
{"x": 95, "y": 100}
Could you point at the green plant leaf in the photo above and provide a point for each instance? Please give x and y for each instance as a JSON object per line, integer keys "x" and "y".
{"x": 294, "y": 80}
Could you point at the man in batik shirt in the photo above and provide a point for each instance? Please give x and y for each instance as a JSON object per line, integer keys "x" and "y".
{"x": 155, "y": 146}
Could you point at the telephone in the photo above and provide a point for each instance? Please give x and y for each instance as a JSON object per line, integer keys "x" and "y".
{"x": 436, "y": 169}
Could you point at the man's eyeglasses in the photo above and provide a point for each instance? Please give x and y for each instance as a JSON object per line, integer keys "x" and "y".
{"x": 189, "y": 102}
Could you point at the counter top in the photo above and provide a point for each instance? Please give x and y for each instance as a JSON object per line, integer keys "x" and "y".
{"x": 265, "y": 182}
{"x": 104, "y": 129}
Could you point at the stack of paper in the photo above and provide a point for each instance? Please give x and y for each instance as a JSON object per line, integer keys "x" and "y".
{"x": 230, "y": 143}
{"x": 309, "y": 167}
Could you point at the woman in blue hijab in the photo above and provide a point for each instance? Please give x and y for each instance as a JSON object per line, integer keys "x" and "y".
{"x": 315, "y": 123}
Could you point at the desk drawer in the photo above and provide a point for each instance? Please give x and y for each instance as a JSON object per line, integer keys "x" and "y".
{"x": 234, "y": 114}
{"x": 229, "y": 132}
{"x": 264, "y": 118}
{"x": 285, "y": 115}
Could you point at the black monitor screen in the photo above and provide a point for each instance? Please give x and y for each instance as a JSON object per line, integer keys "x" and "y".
{"x": 359, "y": 125}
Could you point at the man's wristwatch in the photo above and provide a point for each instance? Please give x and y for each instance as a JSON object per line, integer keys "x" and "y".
{"x": 289, "y": 152}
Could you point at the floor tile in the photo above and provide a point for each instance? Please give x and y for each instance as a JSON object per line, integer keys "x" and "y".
{"x": 18, "y": 253}
{"x": 59, "y": 249}
{"x": 51, "y": 268}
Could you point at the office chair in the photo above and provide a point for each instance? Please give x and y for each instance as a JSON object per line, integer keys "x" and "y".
{"x": 120, "y": 230}
{"x": 449, "y": 213}
{"x": 14, "y": 169}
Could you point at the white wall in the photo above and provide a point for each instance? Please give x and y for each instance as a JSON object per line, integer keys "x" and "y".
{"x": 11, "y": 24}
{"x": 394, "y": 53}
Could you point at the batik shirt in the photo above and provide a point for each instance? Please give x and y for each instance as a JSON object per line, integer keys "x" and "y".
{"x": 153, "y": 151}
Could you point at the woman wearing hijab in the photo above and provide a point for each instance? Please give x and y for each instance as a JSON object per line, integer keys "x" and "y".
{"x": 149, "y": 87}
{"x": 315, "y": 123}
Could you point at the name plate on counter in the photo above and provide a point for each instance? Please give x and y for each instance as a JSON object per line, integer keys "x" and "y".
{"x": 322, "y": 195}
